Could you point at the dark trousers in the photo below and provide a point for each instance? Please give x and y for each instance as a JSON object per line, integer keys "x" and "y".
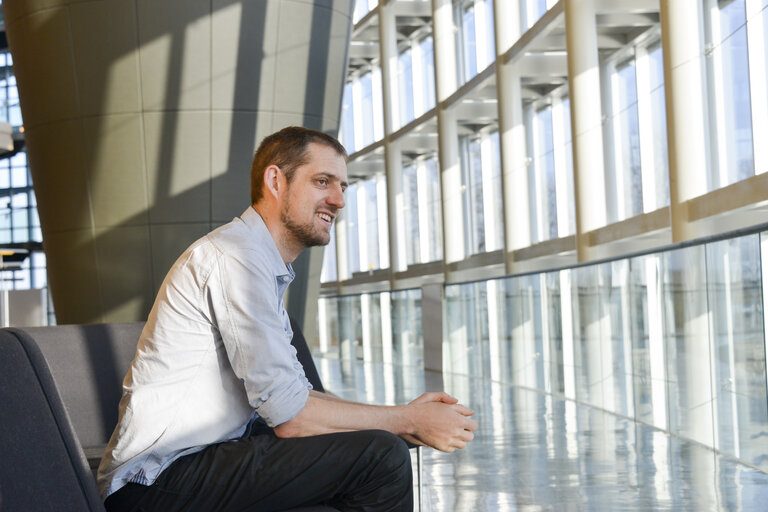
{"x": 351, "y": 471}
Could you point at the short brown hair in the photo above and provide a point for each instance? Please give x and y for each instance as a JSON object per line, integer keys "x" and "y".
{"x": 287, "y": 149}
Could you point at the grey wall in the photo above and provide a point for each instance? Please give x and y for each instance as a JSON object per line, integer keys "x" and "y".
{"x": 141, "y": 119}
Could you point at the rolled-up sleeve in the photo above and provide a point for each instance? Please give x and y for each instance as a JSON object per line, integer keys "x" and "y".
{"x": 251, "y": 321}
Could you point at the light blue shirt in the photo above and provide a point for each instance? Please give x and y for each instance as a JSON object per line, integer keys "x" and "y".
{"x": 215, "y": 353}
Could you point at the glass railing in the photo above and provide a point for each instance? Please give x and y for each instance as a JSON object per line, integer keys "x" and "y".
{"x": 674, "y": 339}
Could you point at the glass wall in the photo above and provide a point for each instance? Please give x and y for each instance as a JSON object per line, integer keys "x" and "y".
{"x": 736, "y": 39}
{"x": 362, "y": 119}
{"x": 373, "y": 327}
{"x": 673, "y": 339}
{"x": 636, "y": 137}
{"x": 415, "y": 77}
{"x": 364, "y": 223}
{"x": 481, "y": 193}
{"x": 474, "y": 33}
{"x": 421, "y": 213}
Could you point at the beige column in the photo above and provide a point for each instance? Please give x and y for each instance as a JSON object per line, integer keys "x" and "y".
{"x": 586, "y": 120}
{"x": 514, "y": 177}
{"x": 392, "y": 155}
{"x": 443, "y": 29}
{"x": 684, "y": 88}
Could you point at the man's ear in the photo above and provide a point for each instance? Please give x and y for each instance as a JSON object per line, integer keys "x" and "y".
{"x": 272, "y": 180}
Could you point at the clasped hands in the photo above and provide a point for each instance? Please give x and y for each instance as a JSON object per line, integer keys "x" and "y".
{"x": 441, "y": 422}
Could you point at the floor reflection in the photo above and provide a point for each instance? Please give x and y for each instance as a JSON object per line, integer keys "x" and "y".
{"x": 537, "y": 452}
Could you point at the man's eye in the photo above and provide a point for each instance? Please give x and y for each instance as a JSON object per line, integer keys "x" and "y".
{"x": 322, "y": 181}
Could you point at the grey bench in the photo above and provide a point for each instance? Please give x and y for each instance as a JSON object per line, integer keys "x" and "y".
{"x": 59, "y": 393}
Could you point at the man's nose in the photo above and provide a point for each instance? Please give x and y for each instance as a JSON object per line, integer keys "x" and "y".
{"x": 336, "y": 198}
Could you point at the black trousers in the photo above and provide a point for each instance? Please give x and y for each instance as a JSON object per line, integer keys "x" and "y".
{"x": 351, "y": 471}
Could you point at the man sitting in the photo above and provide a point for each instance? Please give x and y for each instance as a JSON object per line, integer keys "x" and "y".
{"x": 216, "y": 412}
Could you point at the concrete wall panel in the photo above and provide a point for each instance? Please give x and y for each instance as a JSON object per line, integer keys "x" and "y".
{"x": 142, "y": 118}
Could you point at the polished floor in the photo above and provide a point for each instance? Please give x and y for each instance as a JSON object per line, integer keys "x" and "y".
{"x": 537, "y": 452}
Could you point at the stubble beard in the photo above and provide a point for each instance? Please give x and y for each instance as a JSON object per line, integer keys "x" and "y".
{"x": 306, "y": 234}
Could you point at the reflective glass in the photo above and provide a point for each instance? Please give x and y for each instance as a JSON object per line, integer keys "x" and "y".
{"x": 472, "y": 190}
{"x": 347, "y": 131}
{"x": 405, "y": 85}
{"x": 352, "y": 223}
{"x": 738, "y": 352}
{"x": 411, "y": 214}
{"x": 328, "y": 273}
{"x": 350, "y": 328}
{"x": 553, "y": 323}
{"x": 686, "y": 335}
{"x": 407, "y": 338}
{"x": 366, "y": 107}
{"x": 734, "y": 124}
{"x": 658, "y": 113}
{"x": 492, "y": 181}
{"x": 525, "y": 331}
{"x": 20, "y": 200}
{"x": 20, "y": 235}
{"x": 566, "y": 226}
{"x": 20, "y": 220}
{"x": 434, "y": 214}
{"x": 531, "y": 11}
{"x": 39, "y": 278}
{"x": 587, "y": 336}
{"x": 468, "y": 43}
{"x": 428, "y": 74}
{"x": 371, "y": 204}
{"x": 19, "y": 159}
{"x": 544, "y": 200}
{"x": 328, "y": 325}
{"x": 373, "y": 346}
{"x": 639, "y": 332}
{"x": 616, "y": 355}
{"x": 629, "y": 181}
{"x": 466, "y": 329}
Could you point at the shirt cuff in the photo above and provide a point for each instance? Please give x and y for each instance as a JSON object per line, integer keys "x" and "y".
{"x": 283, "y": 405}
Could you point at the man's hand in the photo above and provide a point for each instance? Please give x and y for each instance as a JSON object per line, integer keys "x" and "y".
{"x": 441, "y": 422}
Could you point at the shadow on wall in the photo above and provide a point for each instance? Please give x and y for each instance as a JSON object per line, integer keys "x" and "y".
{"x": 141, "y": 121}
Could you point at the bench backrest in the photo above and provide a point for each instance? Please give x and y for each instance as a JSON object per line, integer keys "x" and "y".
{"x": 42, "y": 466}
{"x": 88, "y": 363}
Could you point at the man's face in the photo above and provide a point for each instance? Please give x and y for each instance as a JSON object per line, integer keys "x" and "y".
{"x": 315, "y": 196}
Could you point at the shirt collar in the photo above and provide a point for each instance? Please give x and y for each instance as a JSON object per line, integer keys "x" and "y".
{"x": 280, "y": 269}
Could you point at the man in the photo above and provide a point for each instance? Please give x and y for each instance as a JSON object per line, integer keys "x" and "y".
{"x": 216, "y": 412}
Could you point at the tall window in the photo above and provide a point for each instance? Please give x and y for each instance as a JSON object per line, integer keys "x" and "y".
{"x": 365, "y": 222}
{"x": 363, "y": 7}
{"x": 362, "y": 117}
{"x": 532, "y": 10}
{"x": 329, "y": 273}
{"x": 416, "y": 78}
{"x": 636, "y": 138}
{"x": 542, "y": 181}
{"x": 481, "y": 191}
{"x": 477, "y": 49}
{"x": 405, "y": 85}
{"x": 737, "y": 56}
{"x": 19, "y": 222}
{"x": 421, "y": 212}
{"x": 550, "y": 174}
{"x": 626, "y": 141}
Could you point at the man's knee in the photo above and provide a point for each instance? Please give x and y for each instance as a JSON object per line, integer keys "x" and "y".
{"x": 391, "y": 449}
